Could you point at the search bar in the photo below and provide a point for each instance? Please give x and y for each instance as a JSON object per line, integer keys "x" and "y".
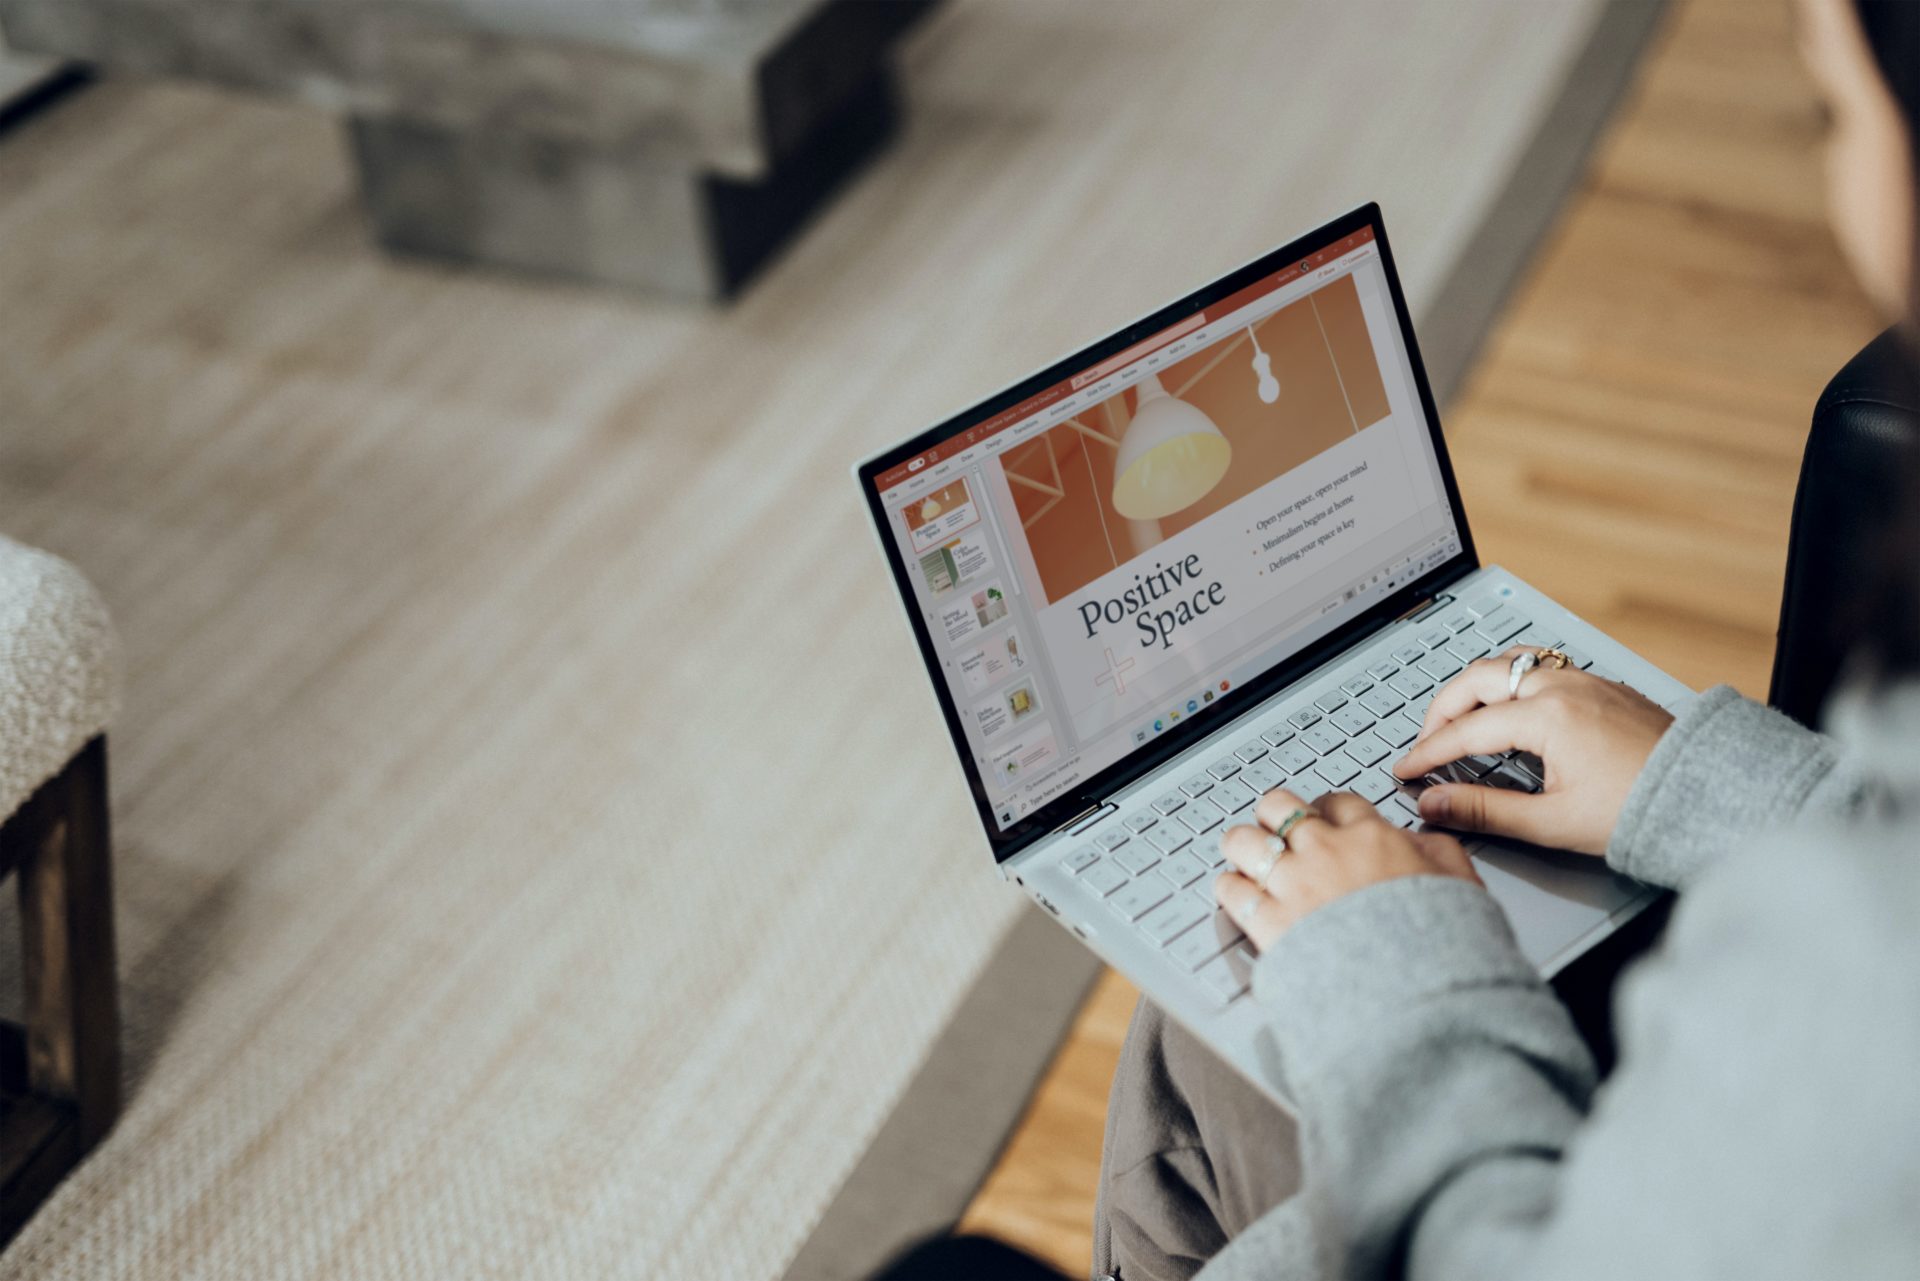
{"x": 1138, "y": 350}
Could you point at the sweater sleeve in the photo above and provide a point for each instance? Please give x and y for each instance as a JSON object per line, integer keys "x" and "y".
{"x": 1436, "y": 1078}
{"x": 1726, "y": 770}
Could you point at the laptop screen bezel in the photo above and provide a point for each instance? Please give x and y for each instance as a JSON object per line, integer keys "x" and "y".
{"x": 1145, "y": 758}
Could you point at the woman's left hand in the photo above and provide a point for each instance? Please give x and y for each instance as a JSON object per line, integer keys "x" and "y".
{"x": 1340, "y": 846}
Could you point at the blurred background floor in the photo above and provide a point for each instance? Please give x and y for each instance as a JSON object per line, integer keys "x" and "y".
{"x": 1629, "y": 442}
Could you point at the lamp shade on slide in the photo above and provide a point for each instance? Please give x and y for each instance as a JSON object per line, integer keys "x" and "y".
{"x": 1170, "y": 456}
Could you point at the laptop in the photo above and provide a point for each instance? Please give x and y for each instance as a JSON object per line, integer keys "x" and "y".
{"x": 1217, "y": 552}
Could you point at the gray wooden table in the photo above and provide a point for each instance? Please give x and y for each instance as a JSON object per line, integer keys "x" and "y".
{"x": 666, "y": 144}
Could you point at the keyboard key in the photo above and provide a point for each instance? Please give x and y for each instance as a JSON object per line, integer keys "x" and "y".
{"x": 1410, "y": 682}
{"x": 1293, "y": 758}
{"x": 1170, "y": 802}
{"x": 1275, "y": 737}
{"x": 1398, "y": 729}
{"x": 1082, "y": 859}
{"x": 1533, "y": 765}
{"x": 1434, "y": 637}
{"x": 1232, "y": 800}
{"x": 1183, "y": 870}
{"x": 1138, "y": 857}
{"x": 1140, "y": 896}
{"x": 1323, "y": 739}
{"x": 1137, "y": 823}
{"x": 1368, "y": 749}
{"x": 1224, "y": 768}
{"x": 1252, "y": 752}
{"x": 1111, "y": 840}
{"x": 1104, "y": 878}
{"x": 1408, "y": 654}
{"x": 1457, "y": 621}
{"x": 1383, "y": 669}
{"x": 1332, "y": 700}
{"x": 1579, "y": 658}
{"x": 1468, "y": 648}
{"x": 1537, "y": 638}
{"x": 1303, "y": 718}
{"x": 1500, "y": 625}
{"x": 1262, "y": 778}
{"x": 1511, "y": 778}
{"x": 1198, "y": 785}
{"x": 1203, "y": 942}
{"x": 1337, "y": 770}
{"x": 1356, "y": 687}
{"x": 1375, "y": 786}
{"x": 1417, "y": 705}
{"x": 1481, "y": 606}
{"x": 1479, "y": 766}
{"x": 1207, "y": 849}
{"x": 1440, "y": 666}
{"x": 1199, "y": 818}
{"x": 1219, "y": 978}
{"x": 1352, "y": 720}
{"x": 1381, "y": 701}
{"x": 1171, "y": 919}
{"x": 1169, "y": 837}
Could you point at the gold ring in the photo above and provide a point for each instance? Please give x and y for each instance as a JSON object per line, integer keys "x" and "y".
{"x": 1557, "y": 658}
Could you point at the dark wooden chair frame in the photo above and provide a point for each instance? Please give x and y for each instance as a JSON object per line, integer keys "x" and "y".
{"x": 60, "y": 1070}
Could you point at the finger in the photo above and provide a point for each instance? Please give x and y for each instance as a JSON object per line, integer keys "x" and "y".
{"x": 1470, "y": 807}
{"x": 1342, "y": 808}
{"x": 1484, "y": 682}
{"x": 1272, "y": 809}
{"x": 1258, "y": 914}
{"x": 1485, "y": 731}
{"x": 1248, "y": 849}
{"x": 1448, "y": 854}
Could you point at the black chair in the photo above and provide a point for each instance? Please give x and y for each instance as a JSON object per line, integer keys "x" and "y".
{"x": 1861, "y": 452}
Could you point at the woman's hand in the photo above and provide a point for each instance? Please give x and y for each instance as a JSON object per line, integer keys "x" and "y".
{"x": 1593, "y": 735}
{"x": 1342, "y": 845}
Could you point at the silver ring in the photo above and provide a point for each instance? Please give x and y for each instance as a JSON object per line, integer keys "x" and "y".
{"x": 1523, "y": 662}
{"x": 1276, "y": 846}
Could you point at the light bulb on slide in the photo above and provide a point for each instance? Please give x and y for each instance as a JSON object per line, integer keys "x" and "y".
{"x": 1263, "y": 367}
{"x": 930, "y": 509}
{"x": 1170, "y": 457}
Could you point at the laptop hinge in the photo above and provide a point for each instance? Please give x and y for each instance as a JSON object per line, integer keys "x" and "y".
{"x": 1425, "y": 607}
{"x": 1085, "y": 818}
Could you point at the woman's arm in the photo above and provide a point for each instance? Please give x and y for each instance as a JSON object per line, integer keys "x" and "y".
{"x": 1727, "y": 770}
{"x": 1436, "y": 1079}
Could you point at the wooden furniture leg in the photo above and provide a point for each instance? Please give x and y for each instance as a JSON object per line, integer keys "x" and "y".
{"x": 60, "y": 1071}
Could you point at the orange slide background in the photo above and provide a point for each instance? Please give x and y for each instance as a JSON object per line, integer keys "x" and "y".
{"x": 1076, "y": 535}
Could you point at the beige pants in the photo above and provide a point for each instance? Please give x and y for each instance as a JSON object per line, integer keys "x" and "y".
{"x": 1193, "y": 1155}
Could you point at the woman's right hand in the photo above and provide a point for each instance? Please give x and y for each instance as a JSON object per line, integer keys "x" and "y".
{"x": 1593, "y": 735}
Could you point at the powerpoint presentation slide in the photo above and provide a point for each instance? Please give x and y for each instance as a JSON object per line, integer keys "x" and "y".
{"x": 1009, "y": 707}
{"x": 1024, "y": 755}
{"x": 1197, "y": 435}
{"x": 973, "y": 612}
{"x": 997, "y": 660}
{"x": 945, "y": 568}
{"x": 932, "y": 521}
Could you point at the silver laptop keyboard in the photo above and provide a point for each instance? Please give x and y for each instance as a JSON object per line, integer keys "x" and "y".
{"x": 1156, "y": 866}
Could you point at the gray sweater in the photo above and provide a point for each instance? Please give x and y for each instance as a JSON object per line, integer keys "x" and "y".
{"x": 1765, "y": 1117}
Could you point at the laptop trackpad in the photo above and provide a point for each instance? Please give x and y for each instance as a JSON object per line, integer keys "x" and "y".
{"x": 1552, "y": 898}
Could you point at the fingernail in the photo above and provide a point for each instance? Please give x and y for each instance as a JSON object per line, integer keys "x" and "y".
{"x": 1400, "y": 766}
{"x": 1433, "y": 804}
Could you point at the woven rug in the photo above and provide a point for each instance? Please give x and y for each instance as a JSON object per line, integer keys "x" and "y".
{"x": 538, "y": 855}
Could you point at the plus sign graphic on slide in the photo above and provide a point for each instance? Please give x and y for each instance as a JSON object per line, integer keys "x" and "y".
{"x": 1116, "y": 672}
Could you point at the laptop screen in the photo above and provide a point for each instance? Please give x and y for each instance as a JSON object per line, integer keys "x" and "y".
{"x": 1123, "y": 548}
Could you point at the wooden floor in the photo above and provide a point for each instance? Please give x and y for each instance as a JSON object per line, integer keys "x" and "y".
{"x": 1629, "y": 443}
